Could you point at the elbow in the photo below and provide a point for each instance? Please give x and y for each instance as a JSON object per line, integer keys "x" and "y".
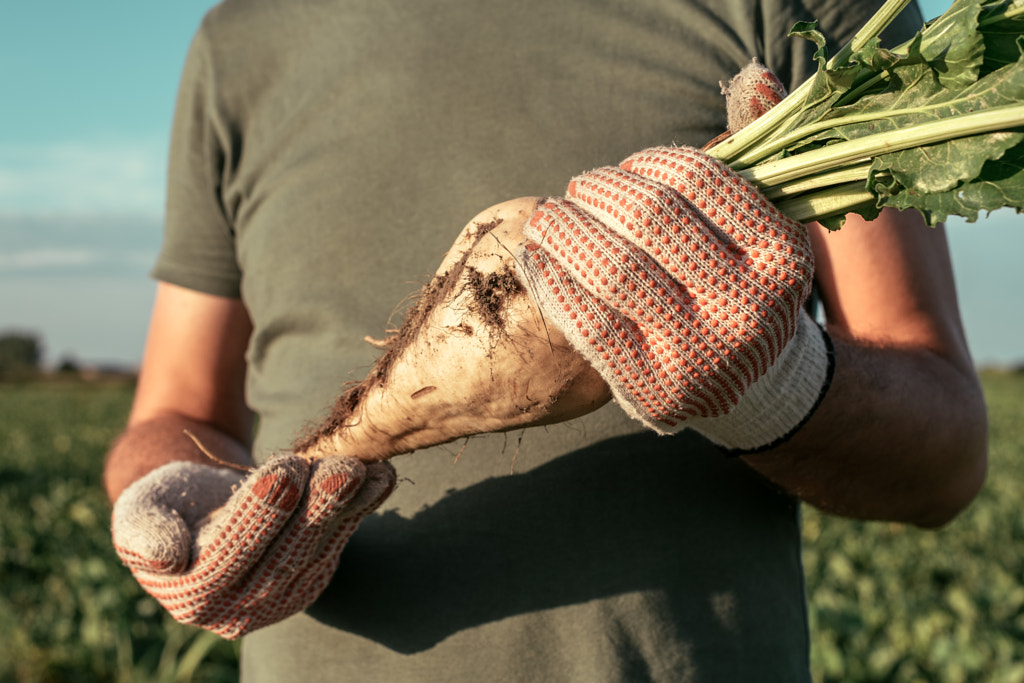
{"x": 962, "y": 474}
{"x": 947, "y": 505}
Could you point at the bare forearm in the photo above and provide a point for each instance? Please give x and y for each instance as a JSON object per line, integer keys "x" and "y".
{"x": 901, "y": 435}
{"x": 147, "y": 445}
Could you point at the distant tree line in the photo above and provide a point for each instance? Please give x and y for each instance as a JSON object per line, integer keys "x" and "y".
{"x": 21, "y": 360}
{"x": 20, "y": 355}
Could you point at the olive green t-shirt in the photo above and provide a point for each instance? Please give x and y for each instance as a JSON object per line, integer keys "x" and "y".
{"x": 325, "y": 155}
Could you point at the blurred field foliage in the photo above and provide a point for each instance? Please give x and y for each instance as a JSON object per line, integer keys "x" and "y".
{"x": 69, "y": 611}
{"x": 888, "y": 602}
{"x": 891, "y": 603}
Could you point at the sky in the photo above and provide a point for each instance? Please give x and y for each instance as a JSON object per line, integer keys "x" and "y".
{"x": 86, "y": 97}
{"x": 87, "y": 92}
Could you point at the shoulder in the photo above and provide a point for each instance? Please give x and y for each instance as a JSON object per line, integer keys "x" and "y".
{"x": 239, "y": 47}
{"x": 240, "y": 31}
{"x": 229, "y": 17}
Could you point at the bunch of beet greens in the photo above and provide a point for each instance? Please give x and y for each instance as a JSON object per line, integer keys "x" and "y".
{"x": 935, "y": 124}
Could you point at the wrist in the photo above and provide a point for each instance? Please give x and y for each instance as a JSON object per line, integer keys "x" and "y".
{"x": 781, "y": 401}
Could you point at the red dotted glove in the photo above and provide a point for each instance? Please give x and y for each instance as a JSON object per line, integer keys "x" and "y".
{"x": 684, "y": 287}
{"x": 232, "y": 553}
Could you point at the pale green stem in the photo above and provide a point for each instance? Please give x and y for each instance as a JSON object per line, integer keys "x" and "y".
{"x": 759, "y": 129}
{"x": 870, "y": 146}
{"x": 816, "y": 182}
{"x": 835, "y": 201}
{"x": 1013, "y": 11}
{"x": 795, "y": 136}
{"x": 873, "y": 28}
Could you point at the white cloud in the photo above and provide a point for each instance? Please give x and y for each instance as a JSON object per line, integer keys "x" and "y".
{"x": 47, "y": 258}
{"x": 77, "y": 243}
{"x": 91, "y": 176}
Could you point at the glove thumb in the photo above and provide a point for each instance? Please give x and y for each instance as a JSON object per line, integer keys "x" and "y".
{"x": 751, "y": 93}
{"x": 155, "y": 519}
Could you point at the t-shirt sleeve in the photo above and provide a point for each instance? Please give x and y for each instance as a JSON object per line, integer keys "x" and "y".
{"x": 198, "y": 250}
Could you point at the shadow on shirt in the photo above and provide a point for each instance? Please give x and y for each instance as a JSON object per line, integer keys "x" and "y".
{"x": 664, "y": 515}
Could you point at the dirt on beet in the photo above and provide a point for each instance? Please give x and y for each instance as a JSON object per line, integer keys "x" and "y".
{"x": 489, "y": 292}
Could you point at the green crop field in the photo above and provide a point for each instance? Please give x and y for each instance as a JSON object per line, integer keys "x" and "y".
{"x": 69, "y": 611}
{"x": 888, "y": 602}
{"x": 891, "y": 603}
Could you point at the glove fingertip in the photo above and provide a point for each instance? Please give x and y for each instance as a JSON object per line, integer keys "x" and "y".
{"x": 337, "y": 478}
{"x": 279, "y": 483}
{"x": 750, "y": 94}
{"x": 155, "y": 540}
{"x": 381, "y": 475}
{"x": 349, "y": 485}
{"x": 378, "y": 485}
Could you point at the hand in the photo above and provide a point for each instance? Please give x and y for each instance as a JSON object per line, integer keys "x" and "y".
{"x": 231, "y": 552}
{"x": 684, "y": 286}
{"x": 477, "y": 354}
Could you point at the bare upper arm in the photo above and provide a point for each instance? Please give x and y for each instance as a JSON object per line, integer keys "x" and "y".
{"x": 890, "y": 282}
{"x": 194, "y": 364}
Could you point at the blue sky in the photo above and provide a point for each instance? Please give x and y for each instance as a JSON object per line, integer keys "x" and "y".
{"x": 87, "y": 92}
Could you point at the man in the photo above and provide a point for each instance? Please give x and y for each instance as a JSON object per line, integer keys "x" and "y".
{"x": 324, "y": 156}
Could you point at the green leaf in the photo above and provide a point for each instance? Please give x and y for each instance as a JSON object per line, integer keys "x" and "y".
{"x": 946, "y": 166}
{"x": 954, "y": 45}
{"x": 832, "y": 223}
{"x": 1000, "y": 183}
{"x": 938, "y": 168}
{"x": 915, "y": 92}
{"x": 1002, "y": 37}
{"x": 914, "y": 96}
{"x": 938, "y": 119}
{"x": 808, "y": 30}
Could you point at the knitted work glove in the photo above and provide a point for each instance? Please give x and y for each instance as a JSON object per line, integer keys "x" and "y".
{"x": 683, "y": 286}
{"x": 231, "y": 552}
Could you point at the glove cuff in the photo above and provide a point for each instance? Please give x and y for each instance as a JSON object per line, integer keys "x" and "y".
{"x": 775, "y": 406}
